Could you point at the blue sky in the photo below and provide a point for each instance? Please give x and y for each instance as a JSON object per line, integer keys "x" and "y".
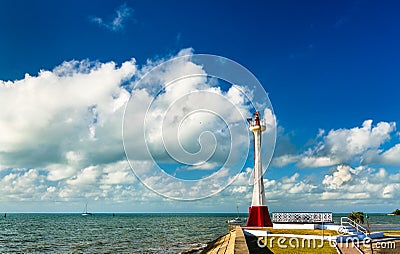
{"x": 327, "y": 66}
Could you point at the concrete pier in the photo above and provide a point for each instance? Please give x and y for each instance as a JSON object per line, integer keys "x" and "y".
{"x": 233, "y": 242}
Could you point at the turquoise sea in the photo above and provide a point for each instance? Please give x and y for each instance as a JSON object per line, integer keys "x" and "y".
{"x": 123, "y": 233}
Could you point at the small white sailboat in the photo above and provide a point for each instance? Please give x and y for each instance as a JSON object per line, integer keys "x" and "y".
{"x": 85, "y": 212}
{"x": 236, "y": 220}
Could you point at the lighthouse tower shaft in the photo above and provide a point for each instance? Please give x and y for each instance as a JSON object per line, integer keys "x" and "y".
{"x": 258, "y": 212}
{"x": 258, "y": 191}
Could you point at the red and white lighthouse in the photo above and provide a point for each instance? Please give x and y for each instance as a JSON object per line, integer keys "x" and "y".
{"x": 258, "y": 212}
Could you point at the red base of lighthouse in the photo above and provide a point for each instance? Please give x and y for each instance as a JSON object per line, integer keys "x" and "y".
{"x": 259, "y": 217}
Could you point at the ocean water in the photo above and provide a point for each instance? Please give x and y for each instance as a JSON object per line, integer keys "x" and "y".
{"x": 103, "y": 233}
{"x": 123, "y": 233}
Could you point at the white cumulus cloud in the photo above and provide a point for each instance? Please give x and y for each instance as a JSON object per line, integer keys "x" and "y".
{"x": 61, "y": 132}
{"x": 358, "y": 145}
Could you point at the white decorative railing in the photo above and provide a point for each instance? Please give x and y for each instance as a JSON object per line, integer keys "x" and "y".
{"x": 346, "y": 221}
{"x": 302, "y": 217}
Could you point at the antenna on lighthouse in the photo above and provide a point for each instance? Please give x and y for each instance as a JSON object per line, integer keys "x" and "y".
{"x": 258, "y": 212}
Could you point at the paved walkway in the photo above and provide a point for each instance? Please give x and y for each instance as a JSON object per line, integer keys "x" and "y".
{"x": 348, "y": 248}
{"x": 232, "y": 243}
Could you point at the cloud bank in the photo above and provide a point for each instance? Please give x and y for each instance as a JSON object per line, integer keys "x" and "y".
{"x": 61, "y": 140}
{"x": 359, "y": 145}
{"x": 62, "y": 130}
